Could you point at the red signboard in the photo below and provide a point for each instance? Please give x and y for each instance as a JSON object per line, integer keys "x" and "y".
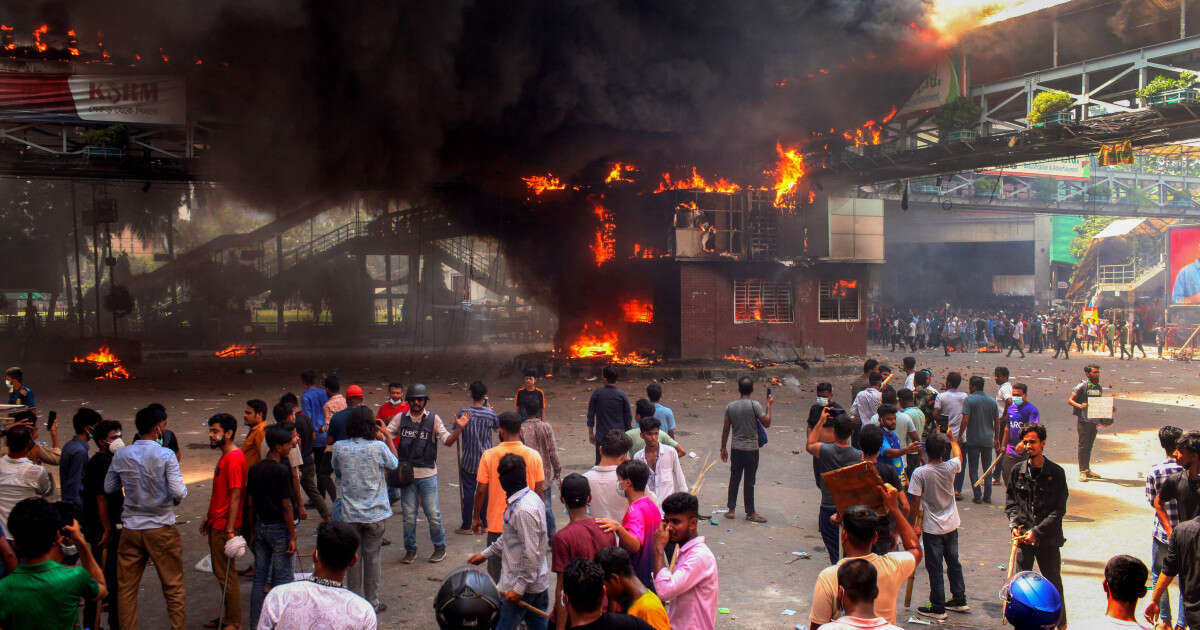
{"x": 157, "y": 100}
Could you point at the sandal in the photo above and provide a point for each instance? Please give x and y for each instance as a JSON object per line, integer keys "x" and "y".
{"x": 730, "y": 514}
{"x": 755, "y": 518}
{"x": 213, "y": 623}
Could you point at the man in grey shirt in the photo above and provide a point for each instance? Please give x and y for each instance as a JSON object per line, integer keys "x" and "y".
{"x": 831, "y": 457}
{"x": 524, "y": 575}
{"x": 743, "y": 416}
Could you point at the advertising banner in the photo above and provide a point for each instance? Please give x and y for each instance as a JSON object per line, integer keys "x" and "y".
{"x": 1075, "y": 168}
{"x": 152, "y": 100}
{"x": 1183, "y": 264}
{"x": 941, "y": 85}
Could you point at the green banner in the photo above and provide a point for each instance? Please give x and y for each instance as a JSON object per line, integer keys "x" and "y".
{"x": 1062, "y": 232}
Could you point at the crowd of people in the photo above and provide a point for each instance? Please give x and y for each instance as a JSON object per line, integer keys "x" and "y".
{"x": 627, "y": 555}
{"x": 964, "y": 331}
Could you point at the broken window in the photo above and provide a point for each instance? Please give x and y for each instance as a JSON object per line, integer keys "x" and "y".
{"x": 762, "y": 301}
{"x": 838, "y": 301}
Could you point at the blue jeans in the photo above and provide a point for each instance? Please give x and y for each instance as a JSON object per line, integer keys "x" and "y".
{"x": 550, "y": 527}
{"x": 511, "y": 615}
{"x": 937, "y": 548}
{"x": 829, "y": 532}
{"x": 426, "y": 492}
{"x": 270, "y": 559}
{"x": 960, "y": 478}
{"x": 1157, "y": 554}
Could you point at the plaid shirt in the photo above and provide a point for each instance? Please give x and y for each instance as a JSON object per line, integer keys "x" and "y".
{"x": 1154, "y": 482}
{"x": 539, "y": 436}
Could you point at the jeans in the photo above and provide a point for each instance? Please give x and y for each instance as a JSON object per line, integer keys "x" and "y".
{"x": 424, "y": 491}
{"x": 308, "y": 481}
{"x": 1063, "y": 347}
{"x": 1157, "y": 554}
{"x": 468, "y": 483}
{"x": 940, "y": 547}
{"x": 829, "y": 532}
{"x": 511, "y": 615}
{"x": 363, "y": 577}
{"x": 978, "y": 460}
{"x": 1087, "y": 438}
{"x": 550, "y": 526}
{"x": 270, "y": 558}
{"x": 742, "y": 462}
{"x": 493, "y": 564}
{"x": 163, "y": 545}
{"x": 1049, "y": 562}
{"x": 959, "y": 479}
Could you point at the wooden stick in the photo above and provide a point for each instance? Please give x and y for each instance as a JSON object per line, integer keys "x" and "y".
{"x": 885, "y": 381}
{"x": 700, "y": 480}
{"x": 531, "y": 608}
{"x": 987, "y": 472}
{"x": 1012, "y": 559}
{"x": 916, "y": 523}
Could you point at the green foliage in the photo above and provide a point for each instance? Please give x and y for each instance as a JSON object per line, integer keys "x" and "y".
{"x": 960, "y": 113}
{"x": 111, "y": 136}
{"x": 1046, "y": 103}
{"x": 987, "y": 186}
{"x": 1046, "y": 188}
{"x": 1084, "y": 232}
{"x": 1163, "y": 84}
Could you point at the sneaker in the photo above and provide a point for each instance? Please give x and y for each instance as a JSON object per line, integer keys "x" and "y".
{"x": 958, "y": 604}
{"x": 385, "y": 542}
{"x": 987, "y": 500}
{"x": 1083, "y": 476}
{"x": 932, "y": 613}
{"x": 976, "y": 500}
{"x": 439, "y": 554}
{"x": 958, "y": 496}
{"x": 1092, "y": 475}
{"x": 409, "y": 557}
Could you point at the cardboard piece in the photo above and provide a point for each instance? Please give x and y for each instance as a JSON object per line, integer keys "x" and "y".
{"x": 854, "y": 485}
{"x": 1100, "y": 408}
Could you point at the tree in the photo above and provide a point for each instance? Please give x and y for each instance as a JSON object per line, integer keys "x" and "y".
{"x": 1084, "y": 232}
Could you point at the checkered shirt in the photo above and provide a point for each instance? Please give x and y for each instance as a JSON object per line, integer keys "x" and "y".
{"x": 1154, "y": 482}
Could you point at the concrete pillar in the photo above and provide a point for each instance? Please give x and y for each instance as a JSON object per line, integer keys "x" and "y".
{"x": 1043, "y": 286}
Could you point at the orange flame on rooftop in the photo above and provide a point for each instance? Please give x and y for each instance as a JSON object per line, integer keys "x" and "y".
{"x": 638, "y": 311}
{"x": 541, "y": 183}
{"x": 619, "y": 172}
{"x": 37, "y": 37}
{"x": 696, "y": 182}
{"x": 789, "y": 170}
{"x": 604, "y": 242}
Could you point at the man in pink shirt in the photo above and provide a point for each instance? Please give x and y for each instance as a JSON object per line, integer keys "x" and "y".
{"x": 692, "y": 587}
{"x": 636, "y": 530}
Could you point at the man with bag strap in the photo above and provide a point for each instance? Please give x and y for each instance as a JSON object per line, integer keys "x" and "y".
{"x": 1088, "y": 427}
{"x": 417, "y": 433}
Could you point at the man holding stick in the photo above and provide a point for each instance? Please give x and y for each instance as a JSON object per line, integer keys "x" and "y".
{"x": 524, "y": 576}
{"x": 1037, "y": 502}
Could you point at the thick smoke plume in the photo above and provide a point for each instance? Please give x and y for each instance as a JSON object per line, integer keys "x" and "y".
{"x": 327, "y": 97}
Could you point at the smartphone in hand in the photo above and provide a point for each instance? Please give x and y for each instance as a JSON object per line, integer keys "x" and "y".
{"x": 51, "y": 419}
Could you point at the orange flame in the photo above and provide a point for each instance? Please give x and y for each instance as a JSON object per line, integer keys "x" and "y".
{"x": 744, "y": 361}
{"x": 646, "y": 252}
{"x": 604, "y": 242}
{"x": 842, "y": 288}
{"x": 603, "y": 343}
{"x": 618, "y": 173}
{"x": 236, "y": 350}
{"x": 638, "y": 312}
{"x": 697, "y": 182}
{"x": 107, "y": 364}
{"x": 37, "y": 37}
{"x": 789, "y": 170}
{"x": 541, "y": 183}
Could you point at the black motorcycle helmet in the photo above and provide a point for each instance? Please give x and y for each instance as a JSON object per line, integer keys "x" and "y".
{"x": 416, "y": 390}
{"x": 467, "y": 599}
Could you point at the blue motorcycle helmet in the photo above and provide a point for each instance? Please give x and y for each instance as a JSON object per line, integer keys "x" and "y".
{"x": 1031, "y": 602}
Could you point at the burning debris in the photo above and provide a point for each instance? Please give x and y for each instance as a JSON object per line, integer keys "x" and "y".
{"x": 541, "y": 183}
{"x": 101, "y": 365}
{"x": 638, "y": 311}
{"x": 236, "y": 350}
{"x": 696, "y": 182}
{"x": 596, "y": 341}
{"x": 604, "y": 246}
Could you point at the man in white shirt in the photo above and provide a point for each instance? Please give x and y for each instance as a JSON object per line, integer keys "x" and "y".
{"x": 859, "y": 534}
{"x": 949, "y": 403}
{"x": 1124, "y": 583}
{"x": 867, "y": 401}
{"x": 607, "y": 501}
{"x": 20, "y": 478}
{"x": 321, "y": 601}
{"x": 932, "y": 487}
{"x": 910, "y": 371}
{"x": 666, "y": 474}
{"x": 857, "y": 590}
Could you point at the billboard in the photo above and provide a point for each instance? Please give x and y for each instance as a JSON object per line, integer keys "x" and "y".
{"x": 943, "y": 84}
{"x": 155, "y": 100}
{"x": 1073, "y": 168}
{"x": 1183, "y": 264}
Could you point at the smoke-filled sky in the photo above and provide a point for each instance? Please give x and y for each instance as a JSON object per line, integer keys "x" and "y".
{"x": 334, "y": 97}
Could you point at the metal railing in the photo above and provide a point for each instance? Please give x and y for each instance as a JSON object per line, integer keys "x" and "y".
{"x": 1117, "y": 274}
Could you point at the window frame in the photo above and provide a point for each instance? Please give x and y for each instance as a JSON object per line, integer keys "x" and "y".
{"x": 825, "y": 292}
{"x": 767, "y": 291}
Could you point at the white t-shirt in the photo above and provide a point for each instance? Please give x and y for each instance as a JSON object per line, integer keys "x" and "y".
{"x": 893, "y": 570}
{"x": 1108, "y": 623}
{"x": 855, "y": 623}
{"x": 934, "y": 484}
{"x": 1003, "y": 394}
{"x": 21, "y": 479}
{"x": 910, "y": 381}
{"x": 303, "y": 605}
{"x": 607, "y": 502}
{"x": 950, "y": 403}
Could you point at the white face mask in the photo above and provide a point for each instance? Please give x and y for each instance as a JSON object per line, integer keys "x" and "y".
{"x": 116, "y": 445}
{"x": 395, "y": 401}
{"x": 822, "y": 401}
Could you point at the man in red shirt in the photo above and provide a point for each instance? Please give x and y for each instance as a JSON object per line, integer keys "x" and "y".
{"x": 229, "y": 484}
{"x": 581, "y": 538}
{"x": 395, "y": 404}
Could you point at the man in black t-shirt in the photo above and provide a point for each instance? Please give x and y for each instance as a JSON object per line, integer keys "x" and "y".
{"x": 1183, "y": 556}
{"x": 102, "y": 516}
{"x": 583, "y": 593}
{"x": 1183, "y": 487}
{"x": 270, "y": 517}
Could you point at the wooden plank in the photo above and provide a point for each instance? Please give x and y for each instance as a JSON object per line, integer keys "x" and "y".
{"x": 856, "y": 484}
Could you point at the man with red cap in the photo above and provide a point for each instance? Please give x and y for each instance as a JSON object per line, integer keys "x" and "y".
{"x": 337, "y": 422}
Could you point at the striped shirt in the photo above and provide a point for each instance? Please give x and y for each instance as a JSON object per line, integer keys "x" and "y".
{"x": 522, "y": 546}
{"x": 1154, "y": 482}
{"x": 539, "y": 436}
{"x": 476, "y": 437}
